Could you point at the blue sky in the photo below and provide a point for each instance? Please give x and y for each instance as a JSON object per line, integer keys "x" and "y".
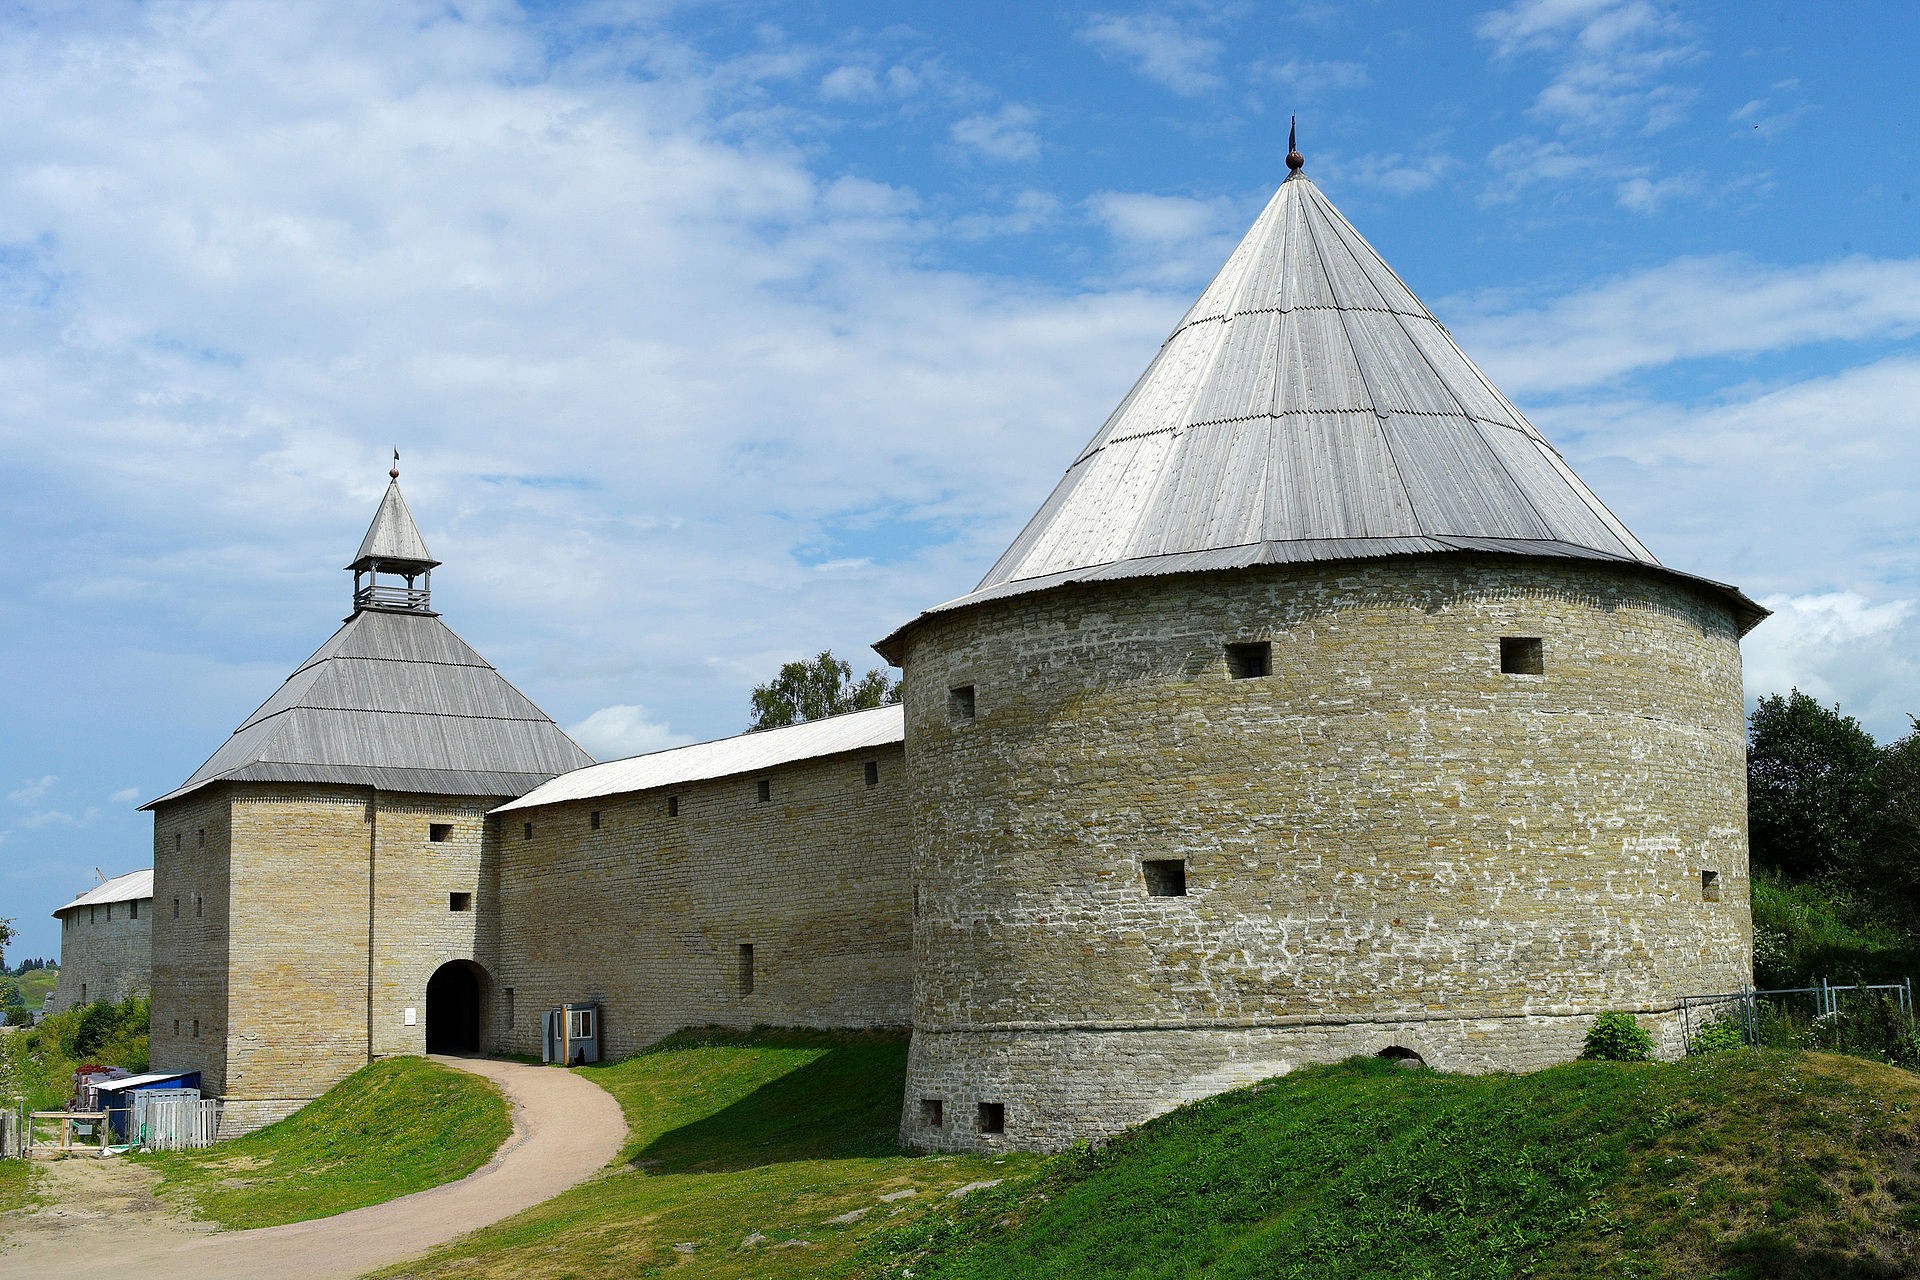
{"x": 714, "y": 335}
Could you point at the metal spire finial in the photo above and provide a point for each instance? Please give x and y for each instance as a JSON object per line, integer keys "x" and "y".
{"x": 1295, "y": 161}
{"x": 395, "y": 472}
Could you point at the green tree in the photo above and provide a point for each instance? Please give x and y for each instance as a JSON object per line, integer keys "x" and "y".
{"x": 6, "y": 936}
{"x": 1897, "y": 835}
{"x": 817, "y": 687}
{"x": 1812, "y": 787}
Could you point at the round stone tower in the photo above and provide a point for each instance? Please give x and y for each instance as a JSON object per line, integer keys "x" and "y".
{"x": 1320, "y": 711}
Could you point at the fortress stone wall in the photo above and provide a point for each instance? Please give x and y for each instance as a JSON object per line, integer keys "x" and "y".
{"x": 1386, "y": 841}
{"x": 106, "y": 953}
{"x": 646, "y": 914}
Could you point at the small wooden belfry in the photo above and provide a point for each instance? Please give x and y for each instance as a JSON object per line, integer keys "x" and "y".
{"x": 393, "y": 546}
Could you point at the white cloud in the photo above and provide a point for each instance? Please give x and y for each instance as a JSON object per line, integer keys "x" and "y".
{"x": 613, "y": 733}
{"x": 1167, "y": 240}
{"x": 1841, "y": 647}
{"x": 1006, "y": 135}
{"x": 1644, "y": 195}
{"x": 1158, "y": 48}
{"x": 639, "y": 355}
{"x": 126, "y": 795}
{"x": 850, "y": 84}
{"x": 1395, "y": 173}
{"x": 1693, "y": 308}
{"x": 1610, "y": 54}
{"x": 33, "y": 789}
{"x": 1312, "y": 79}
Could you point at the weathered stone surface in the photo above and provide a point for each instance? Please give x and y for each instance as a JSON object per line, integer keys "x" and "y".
{"x": 646, "y": 914}
{"x": 1385, "y": 837}
{"x": 106, "y": 953}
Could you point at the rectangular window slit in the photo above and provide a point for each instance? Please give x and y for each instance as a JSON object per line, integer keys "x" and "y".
{"x": 526, "y": 831}
{"x": 1166, "y": 877}
{"x": 439, "y": 832}
{"x": 993, "y": 1117}
{"x": 199, "y": 907}
{"x": 459, "y": 902}
{"x": 1709, "y": 886}
{"x": 1250, "y": 661}
{"x": 673, "y": 806}
{"x": 763, "y": 790}
{"x": 933, "y": 1113}
{"x": 593, "y": 820}
{"x": 746, "y": 968}
{"x": 509, "y": 1008}
{"x": 873, "y": 773}
{"x": 176, "y": 908}
{"x": 1522, "y": 656}
{"x": 960, "y": 704}
{"x": 133, "y": 910}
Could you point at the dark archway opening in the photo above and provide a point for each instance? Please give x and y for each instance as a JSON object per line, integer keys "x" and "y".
{"x": 453, "y": 1008}
{"x": 1402, "y": 1055}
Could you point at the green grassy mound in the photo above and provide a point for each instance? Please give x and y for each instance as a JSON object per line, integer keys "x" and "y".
{"x": 762, "y": 1154}
{"x": 390, "y": 1129}
{"x": 1740, "y": 1164}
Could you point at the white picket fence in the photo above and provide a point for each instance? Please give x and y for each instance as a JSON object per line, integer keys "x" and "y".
{"x": 170, "y": 1121}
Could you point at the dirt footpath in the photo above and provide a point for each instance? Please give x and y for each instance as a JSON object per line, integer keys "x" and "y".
{"x": 103, "y": 1222}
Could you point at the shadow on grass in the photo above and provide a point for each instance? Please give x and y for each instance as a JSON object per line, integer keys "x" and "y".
{"x": 1772, "y": 1255}
{"x": 843, "y": 1104}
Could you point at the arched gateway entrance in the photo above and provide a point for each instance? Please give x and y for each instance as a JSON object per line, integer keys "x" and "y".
{"x": 453, "y": 1007}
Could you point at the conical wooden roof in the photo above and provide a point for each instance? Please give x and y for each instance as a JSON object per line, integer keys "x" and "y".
{"x": 393, "y": 538}
{"x": 1308, "y": 407}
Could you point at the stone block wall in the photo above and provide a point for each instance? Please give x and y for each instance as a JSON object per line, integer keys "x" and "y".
{"x": 106, "y": 953}
{"x": 309, "y": 923}
{"x": 646, "y": 913}
{"x": 191, "y": 838}
{"x": 1386, "y": 831}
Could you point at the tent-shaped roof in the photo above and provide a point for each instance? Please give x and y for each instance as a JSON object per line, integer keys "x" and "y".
{"x": 1307, "y": 407}
{"x": 135, "y": 886}
{"x": 399, "y": 702}
{"x": 393, "y": 536}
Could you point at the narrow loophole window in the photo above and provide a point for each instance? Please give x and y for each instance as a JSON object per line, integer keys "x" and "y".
{"x": 1166, "y": 877}
{"x": 746, "y": 968}
{"x": 873, "y": 773}
{"x": 993, "y": 1117}
{"x": 763, "y": 791}
{"x": 1709, "y": 886}
{"x": 673, "y": 806}
{"x": 459, "y": 902}
{"x": 133, "y": 910}
{"x": 439, "y": 832}
{"x": 508, "y": 1009}
{"x": 1522, "y": 656}
{"x": 933, "y": 1113}
{"x": 1250, "y": 661}
{"x": 593, "y": 820}
{"x": 526, "y": 831}
{"x": 960, "y": 704}
{"x": 199, "y": 907}
{"x": 176, "y": 908}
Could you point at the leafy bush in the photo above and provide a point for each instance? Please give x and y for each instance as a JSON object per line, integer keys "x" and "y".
{"x": 1717, "y": 1035}
{"x": 38, "y": 1064}
{"x": 1618, "y": 1037}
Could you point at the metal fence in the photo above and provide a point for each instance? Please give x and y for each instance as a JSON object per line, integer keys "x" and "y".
{"x": 169, "y": 1120}
{"x": 13, "y": 1133}
{"x": 1821, "y": 1003}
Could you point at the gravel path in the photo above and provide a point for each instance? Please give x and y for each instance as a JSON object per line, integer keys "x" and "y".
{"x": 104, "y": 1223}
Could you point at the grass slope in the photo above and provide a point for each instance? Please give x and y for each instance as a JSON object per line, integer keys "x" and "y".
{"x": 760, "y": 1154}
{"x": 392, "y": 1128}
{"x": 16, "y": 1184}
{"x": 1741, "y": 1164}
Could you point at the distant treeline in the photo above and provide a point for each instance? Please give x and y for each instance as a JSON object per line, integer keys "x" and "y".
{"x": 25, "y": 967}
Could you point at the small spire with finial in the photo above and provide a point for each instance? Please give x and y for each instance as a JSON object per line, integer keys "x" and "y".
{"x": 395, "y": 472}
{"x": 1295, "y": 161}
